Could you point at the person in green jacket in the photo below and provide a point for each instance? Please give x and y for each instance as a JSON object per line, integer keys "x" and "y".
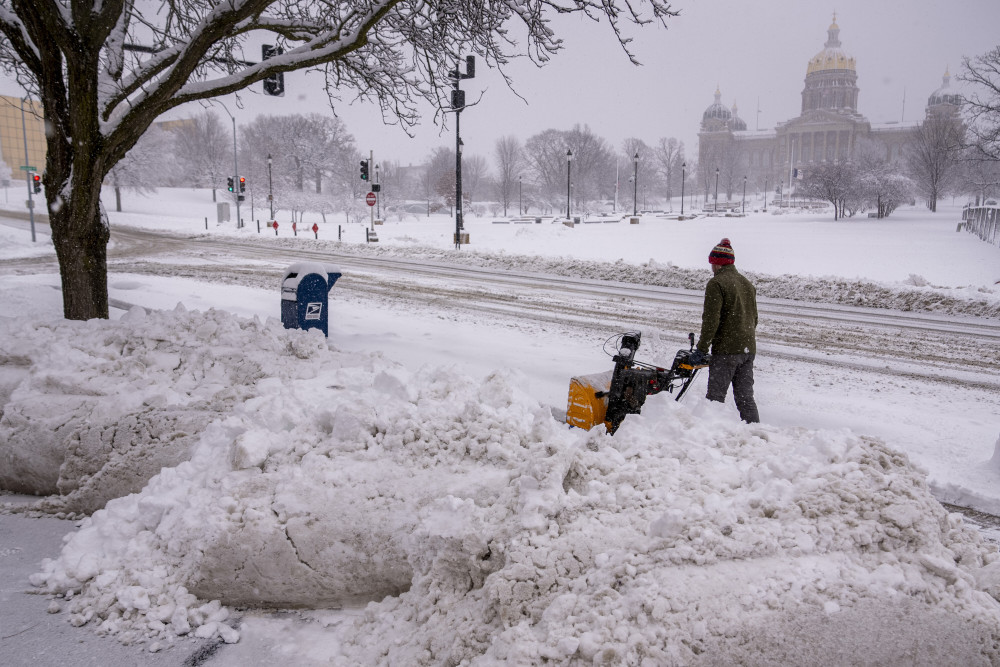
{"x": 729, "y": 326}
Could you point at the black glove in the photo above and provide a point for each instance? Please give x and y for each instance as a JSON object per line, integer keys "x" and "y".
{"x": 698, "y": 358}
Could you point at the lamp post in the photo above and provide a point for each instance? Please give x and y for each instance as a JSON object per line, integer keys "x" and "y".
{"x": 716, "y": 205}
{"x": 781, "y": 193}
{"x": 766, "y": 184}
{"x": 520, "y": 207}
{"x": 635, "y": 185}
{"x": 684, "y": 166}
{"x": 569, "y": 166}
{"x": 744, "y": 193}
{"x": 27, "y": 173}
{"x": 236, "y": 166}
{"x": 270, "y": 189}
{"x": 378, "y": 199}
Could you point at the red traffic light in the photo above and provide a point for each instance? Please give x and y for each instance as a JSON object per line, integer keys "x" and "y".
{"x": 36, "y": 178}
{"x": 242, "y": 180}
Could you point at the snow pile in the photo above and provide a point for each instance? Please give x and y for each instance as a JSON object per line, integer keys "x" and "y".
{"x": 92, "y": 410}
{"x": 492, "y": 533}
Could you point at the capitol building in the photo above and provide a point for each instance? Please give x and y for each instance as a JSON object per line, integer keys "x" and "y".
{"x": 828, "y": 129}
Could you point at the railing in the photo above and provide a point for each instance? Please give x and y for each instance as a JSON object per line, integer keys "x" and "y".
{"x": 983, "y": 221}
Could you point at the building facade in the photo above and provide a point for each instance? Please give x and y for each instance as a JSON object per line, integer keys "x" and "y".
{"x": 828, "y": 129}
{"x": 14, "y": 127}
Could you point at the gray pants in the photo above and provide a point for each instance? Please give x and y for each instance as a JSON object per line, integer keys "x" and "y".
{"x": 735, "y": 369}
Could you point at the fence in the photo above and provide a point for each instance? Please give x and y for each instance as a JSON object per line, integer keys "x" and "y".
{"x": 983, "y": 221}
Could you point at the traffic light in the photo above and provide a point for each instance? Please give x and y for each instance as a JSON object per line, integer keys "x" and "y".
{"x": 36, "y": 181}
{"x": 364, "y": 170}
{"x": 243, "y": 184}
{"x": 229, "y": 181}
{"x": 274, "y": 84}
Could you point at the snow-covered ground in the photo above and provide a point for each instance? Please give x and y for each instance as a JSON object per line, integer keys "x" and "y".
{"x": 411, "y": 460}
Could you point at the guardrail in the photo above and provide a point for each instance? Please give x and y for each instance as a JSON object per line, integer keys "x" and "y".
{"x": 983, "y": 221}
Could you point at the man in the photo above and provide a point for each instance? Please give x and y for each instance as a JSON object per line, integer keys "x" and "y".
{"x": 729, "y": 325}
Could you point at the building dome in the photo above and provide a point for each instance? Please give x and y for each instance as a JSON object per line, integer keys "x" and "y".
{"x": 831, "y": 79}
{"x": 717, "y": 111}
{"x": 945, "y": 94}
{"x": 737, "y": 124}
{"x": 832, "y": 57}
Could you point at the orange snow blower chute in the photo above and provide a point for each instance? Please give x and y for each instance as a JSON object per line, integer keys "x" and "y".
{"x": 609, "y": 396}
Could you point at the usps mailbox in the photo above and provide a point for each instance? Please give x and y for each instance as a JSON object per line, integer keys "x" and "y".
{"x": 305, "y": 293}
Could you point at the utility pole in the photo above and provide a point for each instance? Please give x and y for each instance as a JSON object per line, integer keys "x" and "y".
{"x": 27, "y": 174}
{"x": 458, "y": 104}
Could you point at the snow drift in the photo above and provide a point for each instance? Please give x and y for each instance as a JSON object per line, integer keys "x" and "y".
{"x": 482, "y": 530}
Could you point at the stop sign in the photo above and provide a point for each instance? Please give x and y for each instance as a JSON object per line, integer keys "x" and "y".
{"x": 275, "y": 225}
{"x": 370, "y": 198}
{"x": 315, "y": 228}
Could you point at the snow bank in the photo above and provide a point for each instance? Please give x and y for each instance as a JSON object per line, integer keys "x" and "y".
{"x": 490, "y": 533}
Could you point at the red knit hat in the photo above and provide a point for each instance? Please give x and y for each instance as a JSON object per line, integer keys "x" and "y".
{"x": 722, "y": 254}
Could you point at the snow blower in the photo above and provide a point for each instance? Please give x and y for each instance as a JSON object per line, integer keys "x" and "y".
{"x": 609, "y": 396}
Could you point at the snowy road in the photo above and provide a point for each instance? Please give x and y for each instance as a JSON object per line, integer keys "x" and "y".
{"x": 934, "y": 348}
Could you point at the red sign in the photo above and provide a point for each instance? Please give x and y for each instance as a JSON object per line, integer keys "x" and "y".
{"x": 370, "y": 198}
{"x": 315, "y": 228}
{"x": 275, "y": 225}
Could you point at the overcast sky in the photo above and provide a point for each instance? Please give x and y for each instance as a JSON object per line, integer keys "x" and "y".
{"x": 751, "y": 50}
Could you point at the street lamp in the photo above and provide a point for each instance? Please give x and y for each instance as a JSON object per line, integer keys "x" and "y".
{"x": 716, "y": 206}
{"x": 569, "y": 165}
{"x": 684, "y": 166}
{"x": 520, "y": 209}
{"x": 378, "y": 199}
{"x": 270, "y": 189}
{"x": 635, "y": 185}
{"x": 744, "y": 193}
{"x": 766, "y": 185}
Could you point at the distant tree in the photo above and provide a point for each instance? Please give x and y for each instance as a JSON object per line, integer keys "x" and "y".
{"x": 441, "y": 174}
{"x": 99, "y": 93}
{"x": 982, "y": 105}
{"x": 932, "y": 157}
{"x": 836, "y": 183}
{"x": 138, "y": 170}
{"x": 6, "y": 177}
{"x": 980, "y": 177}
{"x": 882, "y": 184}
{"x": 669, "y": 156}
{"x": 475, "y": 174}
{"x": 203, "y": 150}
{"x": 509, "y": 166}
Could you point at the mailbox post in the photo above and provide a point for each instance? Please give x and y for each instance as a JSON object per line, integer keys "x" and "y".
{"x": 305, "y": 293}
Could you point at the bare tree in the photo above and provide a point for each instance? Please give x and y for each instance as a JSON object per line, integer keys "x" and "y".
{"x": 137, "y": 169}
{"x": 836, "y": 183}
{"x": 932, "y": 157}
{"x": 474, "y": 174}
{"x": 104, "y": 70}
{"x": 983, "y": 104}
{"x": 509, "y": 161}
{"x": 669, "y": 156}
{"x": 203, "y": 150}
{"x": 882, "y": 184}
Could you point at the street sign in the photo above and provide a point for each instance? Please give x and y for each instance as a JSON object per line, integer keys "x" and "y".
{"x": 275, "y": 225}
{"x": 370, "y": 199}
{"x": 27, "y": 168}
{"x": 315, "y": 228}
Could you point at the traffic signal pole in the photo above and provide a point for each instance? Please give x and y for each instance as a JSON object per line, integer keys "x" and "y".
{"x": 236, "y": 168}
{"x": 371, "y": 209}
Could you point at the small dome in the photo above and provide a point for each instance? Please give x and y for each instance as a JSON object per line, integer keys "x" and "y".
{"x": 737, "y": 124}
{"x": 945, "y": 94}
{"x": 717, "y": 111}
{"x": 832, "y": 57}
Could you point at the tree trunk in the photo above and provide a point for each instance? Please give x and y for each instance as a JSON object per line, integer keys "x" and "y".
{"x": 213, "y": 195}
{"x": 81, "y": 241}
{"x": 118, "y": 199}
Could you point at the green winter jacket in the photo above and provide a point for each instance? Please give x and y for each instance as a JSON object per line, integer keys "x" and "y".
{"x": 729, "y": 320}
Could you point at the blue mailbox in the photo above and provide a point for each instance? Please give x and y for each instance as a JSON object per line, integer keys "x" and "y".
{"x": 305, "y": 293}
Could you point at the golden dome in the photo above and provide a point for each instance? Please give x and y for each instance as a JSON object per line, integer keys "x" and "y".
{"x": 832, "y": 57}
